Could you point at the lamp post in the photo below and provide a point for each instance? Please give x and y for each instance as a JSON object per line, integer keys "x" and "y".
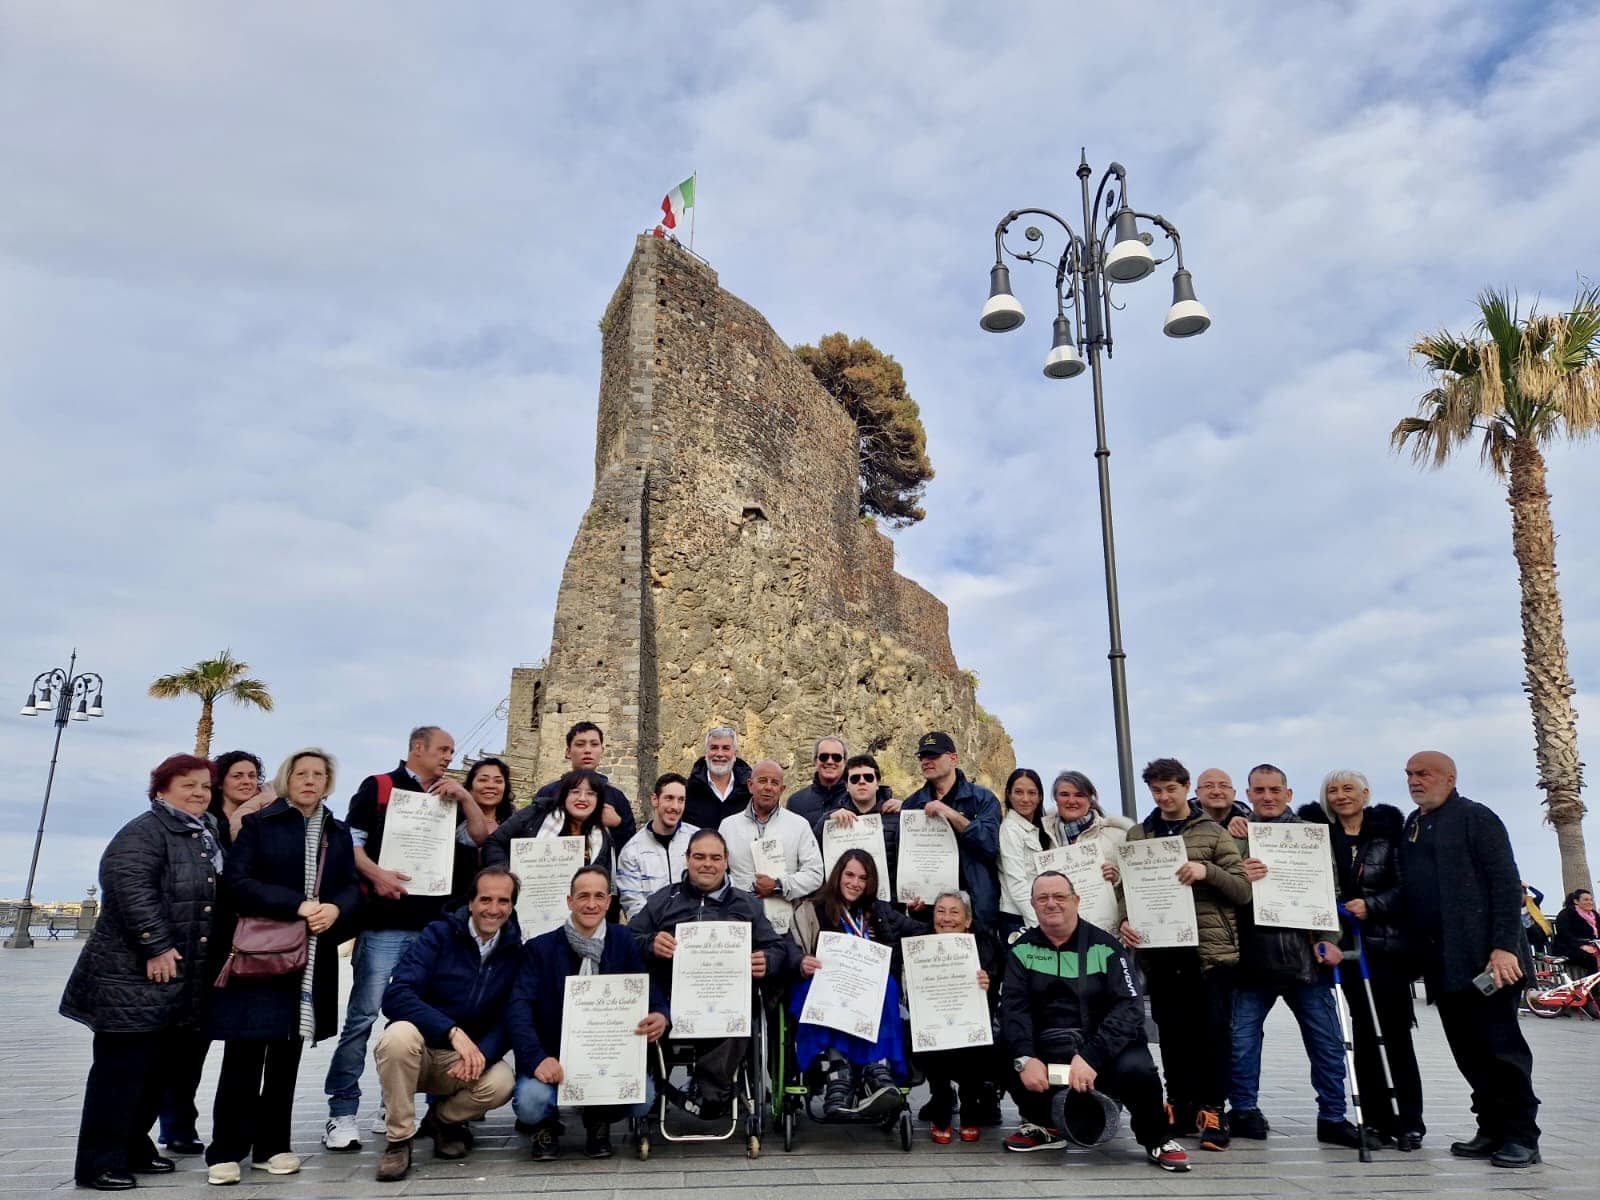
{"x": 1109, "y": 250}
{"x": 70, "y": 694}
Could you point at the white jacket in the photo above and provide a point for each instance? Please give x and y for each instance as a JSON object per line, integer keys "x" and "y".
{"x": 645, "y": 866}
{"x": 802, "y": 856}
{"x": 1019, "y": 842}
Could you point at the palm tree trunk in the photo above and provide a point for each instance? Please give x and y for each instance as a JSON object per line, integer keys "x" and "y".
{"x": 202, "y": 731}
{"x": 1544, "y": 653}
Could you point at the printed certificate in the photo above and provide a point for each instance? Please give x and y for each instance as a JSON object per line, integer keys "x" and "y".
{"x": 419, "y": 840}
{"x": 1159, "y": 907}
{"x": 847, "y": 990}
{"x": 864, "y": 833}
{"x": 1097, "y": 898}
{"x": 1298, "y": 891}
{"x": 948, "y": 1008}
{"x": 544, "y": 866}
{"x": 711, "y": 980}
{"x": 602, "y": 1058}
{"x": 928, "y": 862}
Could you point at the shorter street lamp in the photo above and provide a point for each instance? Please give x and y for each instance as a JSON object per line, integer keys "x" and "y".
{"x": 69, "y": 694}
{"x": 1110, "y": 250}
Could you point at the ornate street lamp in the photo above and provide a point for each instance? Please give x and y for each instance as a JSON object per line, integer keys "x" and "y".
{"x": 69, "y": 693}
{"x": 1111, "y": 249}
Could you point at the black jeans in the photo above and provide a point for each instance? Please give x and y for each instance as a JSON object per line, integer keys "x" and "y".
{"x": 179, "y": 1116}
{"x": 969, "y": 1069}
{"x": 1130, "y": 1078}
{"x": 1391, "y": 996}
{"x": 255, "y": 1100}
{"x": 120, "y": 1100}
{"x": 1494, "y": 1058}
{"x": 1193, "y": 1010}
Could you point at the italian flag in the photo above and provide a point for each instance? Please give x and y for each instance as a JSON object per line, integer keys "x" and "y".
{"x": 676, "y": 201}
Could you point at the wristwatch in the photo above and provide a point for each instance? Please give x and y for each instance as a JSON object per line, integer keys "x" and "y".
{"x": 1019, "y": 1062}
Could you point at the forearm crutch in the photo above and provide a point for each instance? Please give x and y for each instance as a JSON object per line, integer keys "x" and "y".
{"x": 1372, "y": 1007}
{"x": 1364, "y": 1152}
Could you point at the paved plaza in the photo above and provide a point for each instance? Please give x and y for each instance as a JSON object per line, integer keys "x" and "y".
{"x": 44, "y": 1059}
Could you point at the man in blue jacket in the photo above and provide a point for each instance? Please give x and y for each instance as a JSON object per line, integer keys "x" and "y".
{"x": 446, "y": 1036}
{"x": 587, "y": 944}
{"x": 974, "y": 814}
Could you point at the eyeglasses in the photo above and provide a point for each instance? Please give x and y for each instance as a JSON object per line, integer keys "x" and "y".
{"x": 862, "y": 778}
{"x": 830, "y": 758}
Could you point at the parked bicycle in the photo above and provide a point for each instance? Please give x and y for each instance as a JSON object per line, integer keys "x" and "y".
{"x": 1552, "y": 992}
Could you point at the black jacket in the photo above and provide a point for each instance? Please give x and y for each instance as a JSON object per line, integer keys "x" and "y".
{"x": 701, "y": 807}
{"x": 681, "y": 902}
{"x": 1086, "y": 988}
{"x": 1572, "y": 934}
{"x": 816, "y": 798}
{"x": 1478, "y": 893}
{"x": 442, "y": 981}
{"x": 614, "y": 798}
{"x": 1367, "y": 867}
{"x": 526, "y": 823}
{"x": 158, "y": 890}
{"x": 265, "y": 877}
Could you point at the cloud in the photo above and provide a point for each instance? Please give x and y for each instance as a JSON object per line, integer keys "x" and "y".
{"x": 298, "y": 351}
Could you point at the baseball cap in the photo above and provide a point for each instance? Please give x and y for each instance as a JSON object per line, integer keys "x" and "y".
{"x": 933, "y": 744}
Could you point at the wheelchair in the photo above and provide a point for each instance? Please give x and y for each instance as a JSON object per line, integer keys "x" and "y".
{"x": 797, "y": 1091}
{"x": 750, "y": 1100}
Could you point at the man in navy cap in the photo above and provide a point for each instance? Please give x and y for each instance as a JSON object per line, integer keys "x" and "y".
{"x": 972, "y": 812}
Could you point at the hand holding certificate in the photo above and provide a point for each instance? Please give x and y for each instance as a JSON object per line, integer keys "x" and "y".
{"x": 1081, "y": 863}
{"x": 1159, "y": 906}
{"x": 545, "y": 865}
{"x": 847, "y": 991}
{"x": 928, "y": 863}
{"x": 711, "y": 980}
{"x": 771, "y": 862}
{"x": 1297, "y": 892}
{"x": 419, "y": 840}
{"x": 864, "y": 833}
{"x": 948, "y": 1009}
{"x": 602, "y": 1054}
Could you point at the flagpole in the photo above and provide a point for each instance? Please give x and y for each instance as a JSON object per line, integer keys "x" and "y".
{"x": 694, "y": 208}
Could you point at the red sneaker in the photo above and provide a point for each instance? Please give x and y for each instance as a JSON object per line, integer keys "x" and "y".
{"x": 1035, "y": 1137}
{"x": 1169, "y": 1157}
{"x": 970, "y": 1133}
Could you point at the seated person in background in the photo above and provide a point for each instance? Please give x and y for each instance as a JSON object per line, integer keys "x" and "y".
{"x": 587, "y": 944}
{"x": 861, "y": 1074}
{"x": 765, "y": 817}
{"x": 973, "y": 1069}
{"x": 445, "y": 1037}
{"x": 654, "y": 857}
{"x": 1069, "y": 1000}
{"x": 705, "y": 894}
{"x": 865, "y": 794}
{"x": 1576, "y": 932}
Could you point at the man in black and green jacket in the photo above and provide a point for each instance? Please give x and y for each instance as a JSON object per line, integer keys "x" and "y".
{"x": 1070, "y": 1000}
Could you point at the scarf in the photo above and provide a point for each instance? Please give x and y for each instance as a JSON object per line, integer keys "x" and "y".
{"x": 1588, "y": 917}
{"x": 208, "y": 838}
{"x": 307, "y": 1024}
{"x": 1070, "y": 831}
{"x": 588, "y": 949}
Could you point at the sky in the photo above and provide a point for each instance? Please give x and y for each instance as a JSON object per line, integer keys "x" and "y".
{"x": 299, "y": 357}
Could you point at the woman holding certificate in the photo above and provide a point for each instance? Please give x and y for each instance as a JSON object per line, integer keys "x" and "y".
{"x": 972, "y": 1069}
{"x": 574, "y": 811}
{"x": 848, "y": 904}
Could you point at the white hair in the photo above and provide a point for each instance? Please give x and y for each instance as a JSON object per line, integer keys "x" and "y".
{"x": 722, "y": 731}
{"x": 1341, "y": 776}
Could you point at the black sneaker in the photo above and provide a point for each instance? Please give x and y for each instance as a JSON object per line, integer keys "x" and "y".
{"x": 878, "y": 1091}
{"x": 597, "y": 1141}
{"x": 1248, "y": 1123}
{"x": 545, "y": 1146}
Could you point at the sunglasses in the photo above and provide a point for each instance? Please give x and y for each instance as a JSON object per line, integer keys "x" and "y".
{"x": 830, "y": 758}
{"x": 862, "y": 778}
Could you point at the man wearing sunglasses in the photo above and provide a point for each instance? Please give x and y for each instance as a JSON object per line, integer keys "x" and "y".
{"x": 826, "y": 789}
{"x": 865, "y": 794}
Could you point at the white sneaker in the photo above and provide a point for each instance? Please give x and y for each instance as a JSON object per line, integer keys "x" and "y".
{"x": 222, "y": 1173}
{"x": 279, "y": 1164}
{"x": 340, "y": 1134}
{"x": 380, "y": 1120}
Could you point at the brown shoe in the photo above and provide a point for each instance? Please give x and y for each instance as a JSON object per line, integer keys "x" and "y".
{"x": 395, "y": 1162}
{"x": 450, "y": 1141}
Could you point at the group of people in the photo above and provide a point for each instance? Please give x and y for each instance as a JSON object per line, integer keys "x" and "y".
{"x": 225, "y": 904}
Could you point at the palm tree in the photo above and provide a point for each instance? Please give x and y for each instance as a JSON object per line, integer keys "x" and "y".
{"x": 1523, "y": 382}
{"x": 213, "y": 679}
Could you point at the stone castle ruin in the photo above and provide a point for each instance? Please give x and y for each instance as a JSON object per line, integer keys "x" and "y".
{"x": 722, "y": 573}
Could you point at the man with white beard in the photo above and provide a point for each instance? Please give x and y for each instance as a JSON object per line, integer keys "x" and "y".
{"x": 719, "y": 782}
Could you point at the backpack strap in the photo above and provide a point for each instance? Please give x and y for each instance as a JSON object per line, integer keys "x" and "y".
{"x": 385, "y": 787}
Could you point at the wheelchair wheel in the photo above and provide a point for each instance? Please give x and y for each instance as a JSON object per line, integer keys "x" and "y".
{"x": 905, "y": 1130}
{"x": 753, "y": 1147}
{"x": 790, "y": 1118}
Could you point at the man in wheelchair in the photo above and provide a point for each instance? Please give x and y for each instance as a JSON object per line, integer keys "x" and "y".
{"x": 705, "y": 894}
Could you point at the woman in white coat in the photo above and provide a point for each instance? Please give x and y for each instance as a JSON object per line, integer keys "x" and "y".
{"x": 1022, "y": 835}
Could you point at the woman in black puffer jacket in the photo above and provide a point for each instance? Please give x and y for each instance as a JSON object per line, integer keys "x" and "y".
{"x": 140, "y": 982}
{"x": 1366, "y": 857}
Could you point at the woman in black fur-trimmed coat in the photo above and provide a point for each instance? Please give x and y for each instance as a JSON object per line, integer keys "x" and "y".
{"x": 1366, "y": 857}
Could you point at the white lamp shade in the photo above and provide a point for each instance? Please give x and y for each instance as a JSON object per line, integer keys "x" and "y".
{"x": 95, "y": 710}
{"x": 1186, "y": 318}
{"x": 80, "y": 715}
{"x": 1063, "y": 362}
{"x": 1130, "y": 260}
{"x": 28, "y": 710}
{"x": 1001, "y": 312}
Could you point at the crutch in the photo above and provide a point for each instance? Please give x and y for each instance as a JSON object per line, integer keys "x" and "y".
{"x": 1364, "y": 1153}
{"x": 1372, "y": 1007}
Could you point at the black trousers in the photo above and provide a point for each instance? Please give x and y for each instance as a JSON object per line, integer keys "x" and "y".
{"x": 255, "y": 1100}
{"x": 969, "y": 1069}
{"x": 1493, "y": 1057}
{"x": 1130, "y": 1079}
{"x": 1391, "y": 995}
{"x": 182, "y": 1072}
{"x": 126, "y": 1079}
{"x": 716, "y": 1064}
{"x": 1193, "y": 1010}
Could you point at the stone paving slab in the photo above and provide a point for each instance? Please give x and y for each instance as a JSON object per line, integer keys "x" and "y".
{"x": 44, "y": 1060}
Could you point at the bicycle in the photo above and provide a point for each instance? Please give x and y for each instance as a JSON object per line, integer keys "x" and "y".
{"x": 1553, "y": 992}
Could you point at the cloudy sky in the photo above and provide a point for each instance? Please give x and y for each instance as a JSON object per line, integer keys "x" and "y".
{"x": 298, "y": 355}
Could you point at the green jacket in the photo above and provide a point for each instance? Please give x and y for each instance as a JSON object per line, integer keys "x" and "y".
{"x": 1223, "y": 890}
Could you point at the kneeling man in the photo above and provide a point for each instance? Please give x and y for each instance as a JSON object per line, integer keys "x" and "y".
{"x": 445, "y": 1003}
{"x": 1069, "y": 999}
{"x": 587, "y": 944}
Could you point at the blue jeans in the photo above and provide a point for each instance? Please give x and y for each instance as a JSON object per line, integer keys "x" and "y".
{"x": 1315, "y": 1008}
{"x": 378, "y": 952}
{"x": 534, "y": 1102}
